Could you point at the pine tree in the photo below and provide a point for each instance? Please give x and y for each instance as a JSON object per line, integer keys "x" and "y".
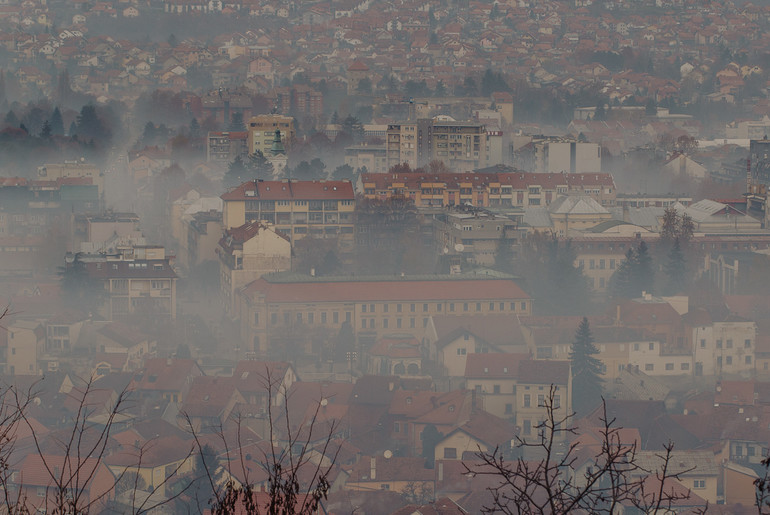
{"x": 11, "y": 119}
{"x": 642, "y": 274}
{"x": 670, "y": 227}
{"x": 46, "y": 132}
{"x": 237, "y": 173}
{"x": 621, "y": 283}
{"x": 586, "y": 370}
{"x": 676, "y": 269}
{"x": 57, "y": 123}
{"x": 236, "y": 122}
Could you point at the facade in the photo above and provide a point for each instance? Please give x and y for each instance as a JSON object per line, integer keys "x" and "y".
{"x": 72, "y": 169}
{"x": 224, "y": 147}
{"x": 371, "y": 157}
{"x": 261, "y": 132}
{"x": 497, "y": 187}
{"x": 280, "y": 304}
{"x": 204, "y": 230}
{"x": 137, "y": 280}
{"x": 26, "y": 344}
{"x": 248, "y": 252}
{"x": 568, "y": 156}
{"x": 460, "y": 145}
{"x": 297, "y": 209}
{"x": 474, "y": 234}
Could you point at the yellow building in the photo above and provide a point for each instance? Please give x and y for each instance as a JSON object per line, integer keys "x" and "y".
{"x": 278, "y": 305}
{"x": 79, "y": 169}
{"x": 320, "y": 209}
{"x": 262, "y": 132}
{"x": 26, "y": 343}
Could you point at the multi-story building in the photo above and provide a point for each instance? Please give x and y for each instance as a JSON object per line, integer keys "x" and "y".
{"x": 224, "y": 147}
{"x": 72, "y": 169}
{"x": 722, "y": 345}
{"x": 474, "y": 234}
{"x": 204, "y": 230}
{"x": 460, "y": 145}
{"x": 246, "y": 253}
{"x": 319, "y": 209}
{"x": 373, "y": 158}
{"x": 278, "y": 305}
{"x": 26, "y": 344}
{"x": 138, "y": 280}
{"x": 261, "y": 132}
{"x": 495, "y": 187}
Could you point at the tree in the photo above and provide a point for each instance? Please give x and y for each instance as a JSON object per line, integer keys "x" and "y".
{"x": 343, "y": 172}
{"x": 237, "y": 173}
{"x": 622, "y": 282}
{"x": 586, "y": 370}
{"x": 90, "y": 126}
{"x": 297, "y": 472}
{"x": 57, "y": 123}
{"x": 236, "y": 122}
{"x": 45, "y": 131}
{"x": 548, "y": 485}
{"x": 686, "y": 228}
{"x": 195, "y": 129}
{"x": 643, "y": 275}
{"x": 676, "y": 269}
{"x": 430, "y": 438}
{"x": 670, "y": 228}
{"x": 364, "y": 86}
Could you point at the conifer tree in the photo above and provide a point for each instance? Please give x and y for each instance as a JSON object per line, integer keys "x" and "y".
{"x": 57, "y": 123}
{"x": 621, "y": 282}
{"x": 676, "y": 269}
{"x": 643, "y": 274}
{"x": 586, "y": 370}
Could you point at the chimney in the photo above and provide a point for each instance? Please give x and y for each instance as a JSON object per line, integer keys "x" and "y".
{"x": 617, "y": 314}
{"x": 440, "y": 470}
{"x": 312, "y": 272}
{"x": 373, "y": 468}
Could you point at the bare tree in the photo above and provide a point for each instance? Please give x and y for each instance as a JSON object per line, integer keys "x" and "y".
{"x": 762, "y": 489}
{"x": 297, "y": 471}
{"x": 556, "y": 483}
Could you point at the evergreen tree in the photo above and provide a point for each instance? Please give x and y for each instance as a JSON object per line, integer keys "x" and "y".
{"x": 236, "y": 122}
{"x": 57, "y": 123}
{"x": 90, "y": 126}
{"x": 259, "y": 166}
{"x": 237, "y": 173}
{"x": 430, "y": 436}
{"x": 676, "y": 269}
{"x": 11, "y": 119}
{"x": 586, "y": 371}
{"x": 670, "y": 227}
{"x": 643, "y": 275}
{"x": 63, "y": 88}
{"x": 621, "y": 283}
{"x": 195, "y": 129}
{"x": 45, "y": 132}
{"x": 73, "y": 130}
{"x": 686, "y": 228}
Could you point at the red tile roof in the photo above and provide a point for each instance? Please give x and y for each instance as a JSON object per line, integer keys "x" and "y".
{"x": 291, "y": 190}
{"x": 404, "y": 290}
{"x": 493, "y": 365}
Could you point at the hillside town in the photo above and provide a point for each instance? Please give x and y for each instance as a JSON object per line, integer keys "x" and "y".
{"x": 390, "y": 243}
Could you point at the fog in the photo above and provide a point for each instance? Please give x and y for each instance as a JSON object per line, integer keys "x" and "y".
{"x": 384, "y": 257}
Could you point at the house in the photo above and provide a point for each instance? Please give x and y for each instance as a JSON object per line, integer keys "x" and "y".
{"x": 255, "y": 380}
{"x": 166, "y": 378}
{"x": 209, "y": 403}
{"x": 483, "y": 432}
{"x": 395, "y": 355}
{"x": 392, "y": 473}
{"x": 156, "y": 462}
{"x": 118, "y": 338}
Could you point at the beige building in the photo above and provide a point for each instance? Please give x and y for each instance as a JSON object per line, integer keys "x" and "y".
{"x": 262, "y": 129}
{"x": 576, "y": 213}
{"x": 321, "y": 209}
{"x": 26, "y": 344}
{"x": 204, "y": 230}
{"x": 248, "y": 252}
{"x": 80, "y": 169}
{"x": 279, "y": 306}
{"x": 475, "y": 235}
{"x": 721, "y": 346}
{"x": 372, "y": 157}
{"x": 138, "y": 280}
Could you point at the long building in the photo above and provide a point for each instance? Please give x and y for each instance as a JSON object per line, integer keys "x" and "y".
{"x": 261, "y": 132}
{"x": 278, "y": 307}
{"x": 296, "y": 208}
{"x": 495, "y": 187}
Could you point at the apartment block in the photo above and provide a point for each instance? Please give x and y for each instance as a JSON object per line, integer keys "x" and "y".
{"x": 497, "y": 186}
{"x": 261, "y": 132}
{"x": 279, "y": 305}
{"x": 224, "y": 147}
{"x": 318, "y": 209}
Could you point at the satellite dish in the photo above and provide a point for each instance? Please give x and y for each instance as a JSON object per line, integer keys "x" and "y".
{"x": 324, "y": 402}
{"x": 388, "y": 454}
{"x": 446, "y": 250}
{"x": 459, "y": 247}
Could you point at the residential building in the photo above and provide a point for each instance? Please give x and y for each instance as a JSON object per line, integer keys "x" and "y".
{"x": 576, "y": 213}
{"x": 204, "y": 230}
{"x": 73, "y": 170}
{"x": 495, "y": 187}
{"x": 395, "y": 355}
{"x": 248, "y": 252}
{"x": 138, "y": 280}
{"x": 568, "y": 156}
{"x": 261, "y": 132}
{"x": 224, "y": 147}
{"x": 721, "y": 345}
{"x": 372, "y": 158}
{"x": 460, "y": 145}
{"x": 167, "y": 378}
{"x": 26, "y": 345}
{"x": 474, "y": 234}
{"x": 320, "y": 209}
{"x": 390, "y": 473}
{"x": 277, "y": 305}
{"x": 710, "y": 216}
{"x": 483, "y": 432}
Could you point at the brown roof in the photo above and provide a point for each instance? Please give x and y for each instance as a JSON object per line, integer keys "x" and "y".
{"x": 538, "y": 371}
{"x": 494, "y": 365}
{"x": 165, "y": 375}
{"x": 406, "y": 290}
{"x": 292, "y": 190}
{"x": 391, "y": 469}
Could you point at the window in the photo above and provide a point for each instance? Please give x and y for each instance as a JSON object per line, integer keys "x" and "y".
{"x": 363, "y": 324}
{"x": 748, "y": 360}
{"x": 299, "y": 318}
{"x": 502, "y": 306}
{"x": 273, "y": 318}
{"x": 747, "y": 344}
{"x": 508, "y": 409}
{"x": 396, "y": 427}
{"x": 371, "y": 308}
{"x": 719, "y": 344}
{"x": 371, "y": 324}
{"x": 557, "y": 401}
{"x": 451, "y": 306}
{"x": 465, "y": 306}
{"x": 323, "y": 317}
{"x": 729, "y": 360}
{"x": 523, "y": 306}
{"x": 336, "y": 317}
{"x": 703, "y": 344}
{"x": 398, "y": 323}
{"x": 398, "y": 308}
{"x": 699, "y": 483}
{"x": 425, "y": 322}
{"x": 412, "y": 307}
{"x": 450, "y": 453}
{"x": 311, "y": 318}
{"x": 669, "y": 366}
{"x": 527, "y": 400}
{"x": 363, "y": 308}
{"x": 384, "y": 308}
{"x": 685, "y": 366}
{"x": 729, "y": 344}
{"x": 348, "y": 316}
{"x": 540, "y": 400}
{"x": 385, "y": 323}
{"x": 478, "y": 307}
{"x": 527, "y": 427}
{"x": 461, "y": 351}
{"x": 425, "y": 308}
{"x": 411, "y": 323}
{"x": 491, "y": 306}
{"x": 652, "y": 346}
{"x": 649, "y": 367}
{"x": 256, "y": 318}
{"x": 496, "y": 388}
